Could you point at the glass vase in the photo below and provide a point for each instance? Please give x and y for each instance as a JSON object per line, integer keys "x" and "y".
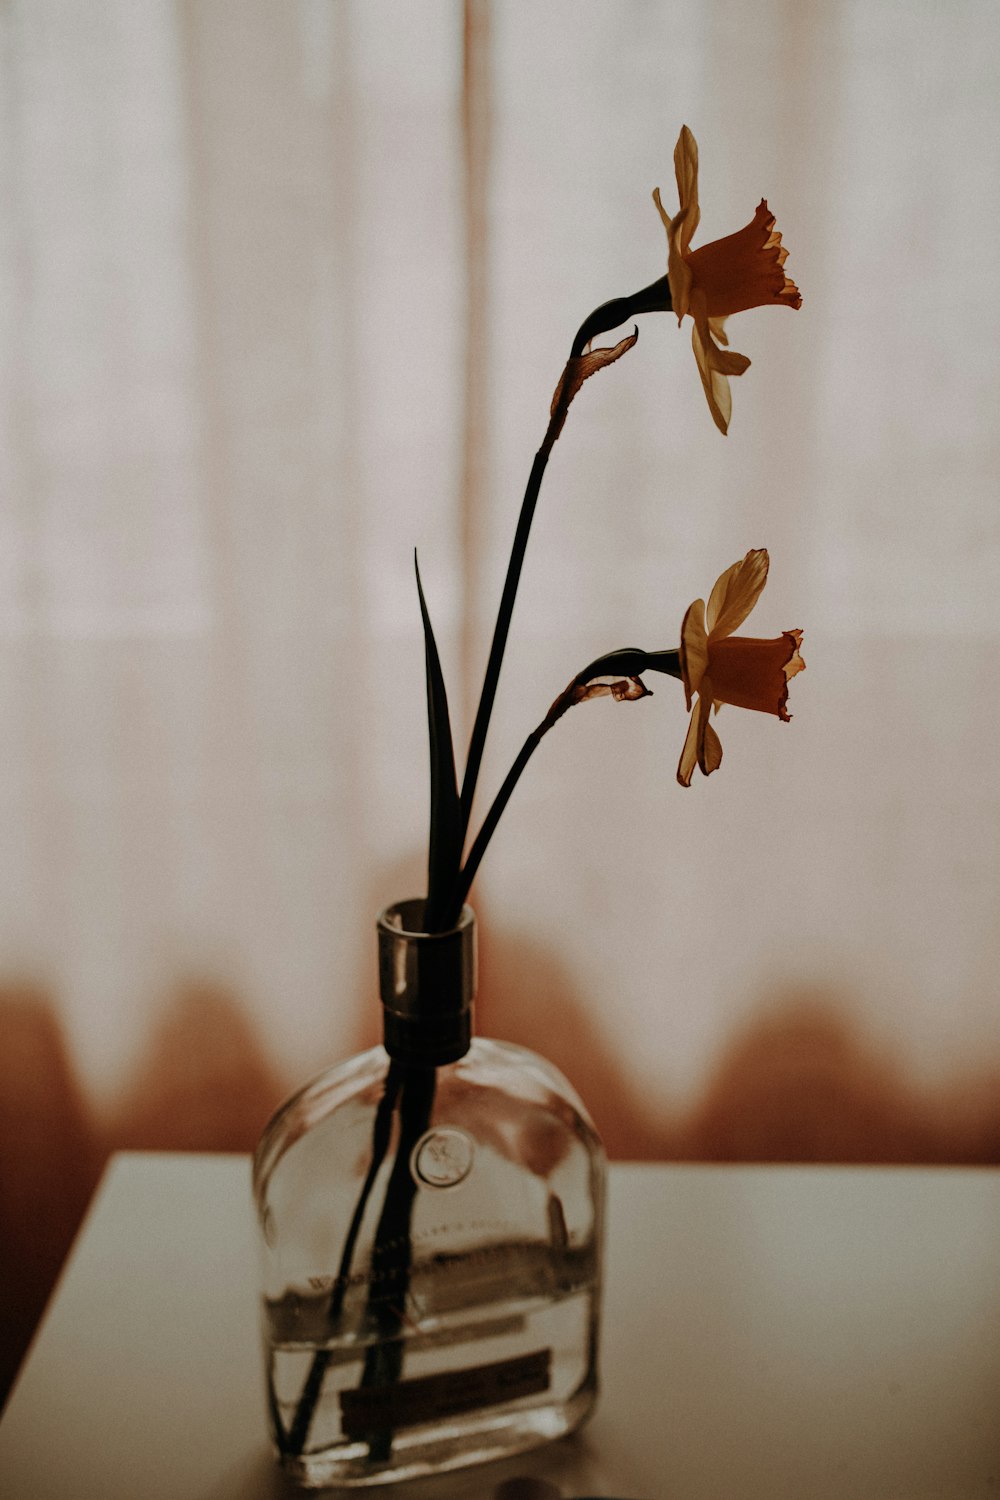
{"x": 431, "y": 1224}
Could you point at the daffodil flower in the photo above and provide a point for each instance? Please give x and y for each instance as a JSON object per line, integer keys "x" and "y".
{"x": 727, "y": 276}
{"x": 720, "y": 668}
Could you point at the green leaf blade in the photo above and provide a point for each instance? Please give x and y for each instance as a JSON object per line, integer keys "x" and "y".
{"x": 444, "y": 851}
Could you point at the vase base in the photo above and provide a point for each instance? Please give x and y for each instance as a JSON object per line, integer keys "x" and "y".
{"x": 479, "y": 1438}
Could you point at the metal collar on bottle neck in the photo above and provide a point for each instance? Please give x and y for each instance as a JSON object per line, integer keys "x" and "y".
{"x": 427, "y": 981}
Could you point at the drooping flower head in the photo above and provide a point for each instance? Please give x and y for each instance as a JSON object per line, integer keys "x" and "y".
{"x": 720, "y": 668}
{"x": 730, "y": 275}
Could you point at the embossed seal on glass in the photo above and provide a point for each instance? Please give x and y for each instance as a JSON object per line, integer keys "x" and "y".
{"x": 442, "y": 1157}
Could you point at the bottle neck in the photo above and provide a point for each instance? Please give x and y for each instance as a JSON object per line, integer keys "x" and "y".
{"x": 427, "y": 983}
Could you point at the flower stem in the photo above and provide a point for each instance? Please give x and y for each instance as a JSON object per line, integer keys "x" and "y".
{"x": 628, "y": 662}
{"x": 500, "y": 632}
{"x": 295, "y": 1440}
{"x": 392, "y": 1251}
{"x": 469, "y": 869}
{"x": 653, "y": 298}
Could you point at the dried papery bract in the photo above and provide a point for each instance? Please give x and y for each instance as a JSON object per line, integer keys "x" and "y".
{"x": 579, "y": 368}
{"x": 621, "y": 689}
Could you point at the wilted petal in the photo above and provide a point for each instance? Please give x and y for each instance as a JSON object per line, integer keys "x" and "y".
{"x": 693, "y": 649}
{"x": 735, "y": 593}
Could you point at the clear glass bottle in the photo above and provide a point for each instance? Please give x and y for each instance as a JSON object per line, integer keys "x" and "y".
{"x": 431, "y": 1226}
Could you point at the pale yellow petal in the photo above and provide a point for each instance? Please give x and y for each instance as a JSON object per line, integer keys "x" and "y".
{"x": 716, "y": 386}
{"x": 717, "y": 328}
{"x": 678, "y": 270}
{"x": 681, "y": 227}
{"x": 709, "y": 746}
{"x": 715, "y": 365}
{"x": 667, "y": 221}
{"x": 693, "y": 649}
{"x": 735, "y": 593}
{"x": 689, "y": 754}
{"x": 679, "y": 277}
{"x": 726, "y": 361}
{"x": 686, "y": 171}
{"x": 702, "y": 746}
{"x": 795, "y": 663}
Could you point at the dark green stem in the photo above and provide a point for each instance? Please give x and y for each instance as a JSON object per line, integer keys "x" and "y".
{"x": 486, "y": 698}
{"x": 295, "y": 1440}
{"x": 393, "y": 1252}
{"x": 469, "y": 869}
{"x": 628, "y": 662}
{"x": 653, "y": 298}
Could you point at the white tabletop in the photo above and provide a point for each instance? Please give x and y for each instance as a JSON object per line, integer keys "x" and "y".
{"x": 768, "y": 1332}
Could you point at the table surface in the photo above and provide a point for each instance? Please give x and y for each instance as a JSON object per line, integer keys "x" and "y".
{"x": 768, "y": 1332}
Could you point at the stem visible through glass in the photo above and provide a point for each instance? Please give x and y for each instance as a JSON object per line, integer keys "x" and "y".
{"x": 294, "y": 1441}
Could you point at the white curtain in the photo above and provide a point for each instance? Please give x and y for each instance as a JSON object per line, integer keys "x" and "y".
{"x": 285, "y": 290}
